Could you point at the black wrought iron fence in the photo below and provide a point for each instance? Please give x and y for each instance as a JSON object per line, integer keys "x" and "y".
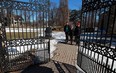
{"x": 22, "y": 38}
{"x": 97, "y": 48}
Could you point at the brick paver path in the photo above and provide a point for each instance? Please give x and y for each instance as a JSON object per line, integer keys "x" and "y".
{"x": 66, "y": 53}
{"x": 64, "y": 61}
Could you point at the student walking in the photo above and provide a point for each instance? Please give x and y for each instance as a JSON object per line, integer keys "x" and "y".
{"x": 66, "y": 30}
{"x": 77, "y": 32}
{"x": 71, "y": 33}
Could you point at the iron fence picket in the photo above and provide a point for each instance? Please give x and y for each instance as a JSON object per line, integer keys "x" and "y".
{"x": 25, "y": 37}
{"x": 97, "y": 47}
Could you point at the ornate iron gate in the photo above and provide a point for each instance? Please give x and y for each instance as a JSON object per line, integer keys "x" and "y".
{"x": 22, "y": 39}
{"x": 97, "y": 48}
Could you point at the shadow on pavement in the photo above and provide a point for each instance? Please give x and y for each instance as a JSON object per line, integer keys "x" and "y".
{"x": 64, "y": 68}
{"x": 50, "y": 67}
{"x": 70, "y": 68}
{"x": 37, "y": 69}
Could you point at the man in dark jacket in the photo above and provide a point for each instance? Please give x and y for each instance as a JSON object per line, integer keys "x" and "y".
{"x": 77, "y": 32}
{"x": 71, "y": 33}
{"x": 67, "y": 30}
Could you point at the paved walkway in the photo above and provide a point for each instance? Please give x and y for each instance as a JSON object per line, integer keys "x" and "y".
{"x": 66, "y": 53}
{"x": 64, "y": 61}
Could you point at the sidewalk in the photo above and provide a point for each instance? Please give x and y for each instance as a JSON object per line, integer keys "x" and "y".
{"x": 66, "y": 53}
{"x": 64, "y": 61}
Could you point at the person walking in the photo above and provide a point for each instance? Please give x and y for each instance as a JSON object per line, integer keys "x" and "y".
{"x": 66, "y": 30}
{"x": 77, "y": 32}
{"x": 71, "y": 33}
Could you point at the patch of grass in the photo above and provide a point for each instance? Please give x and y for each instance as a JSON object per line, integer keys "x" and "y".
{"x": 20, "y": 35}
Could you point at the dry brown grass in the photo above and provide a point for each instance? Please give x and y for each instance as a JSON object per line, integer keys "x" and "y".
{"x": 20, "y": 35}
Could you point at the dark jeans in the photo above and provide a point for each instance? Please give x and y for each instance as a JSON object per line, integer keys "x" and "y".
{"x": 71, "y": 38}
{"x": 77, "y": 38}
{"x": 66, "y": 34}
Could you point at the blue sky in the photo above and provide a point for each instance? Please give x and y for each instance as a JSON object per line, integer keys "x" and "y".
{"x": 73, "y": 4}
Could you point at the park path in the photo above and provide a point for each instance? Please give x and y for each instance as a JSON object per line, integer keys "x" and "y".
{"x": 64, "y": 61}
{"x": 66, "y": 53}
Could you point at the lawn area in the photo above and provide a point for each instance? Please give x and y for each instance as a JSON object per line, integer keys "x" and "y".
{"x": 20, "y": 35}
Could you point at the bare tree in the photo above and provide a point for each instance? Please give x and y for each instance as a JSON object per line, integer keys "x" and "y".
{"x": 63, "y": 12}
{"x": 53, "y": 14}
